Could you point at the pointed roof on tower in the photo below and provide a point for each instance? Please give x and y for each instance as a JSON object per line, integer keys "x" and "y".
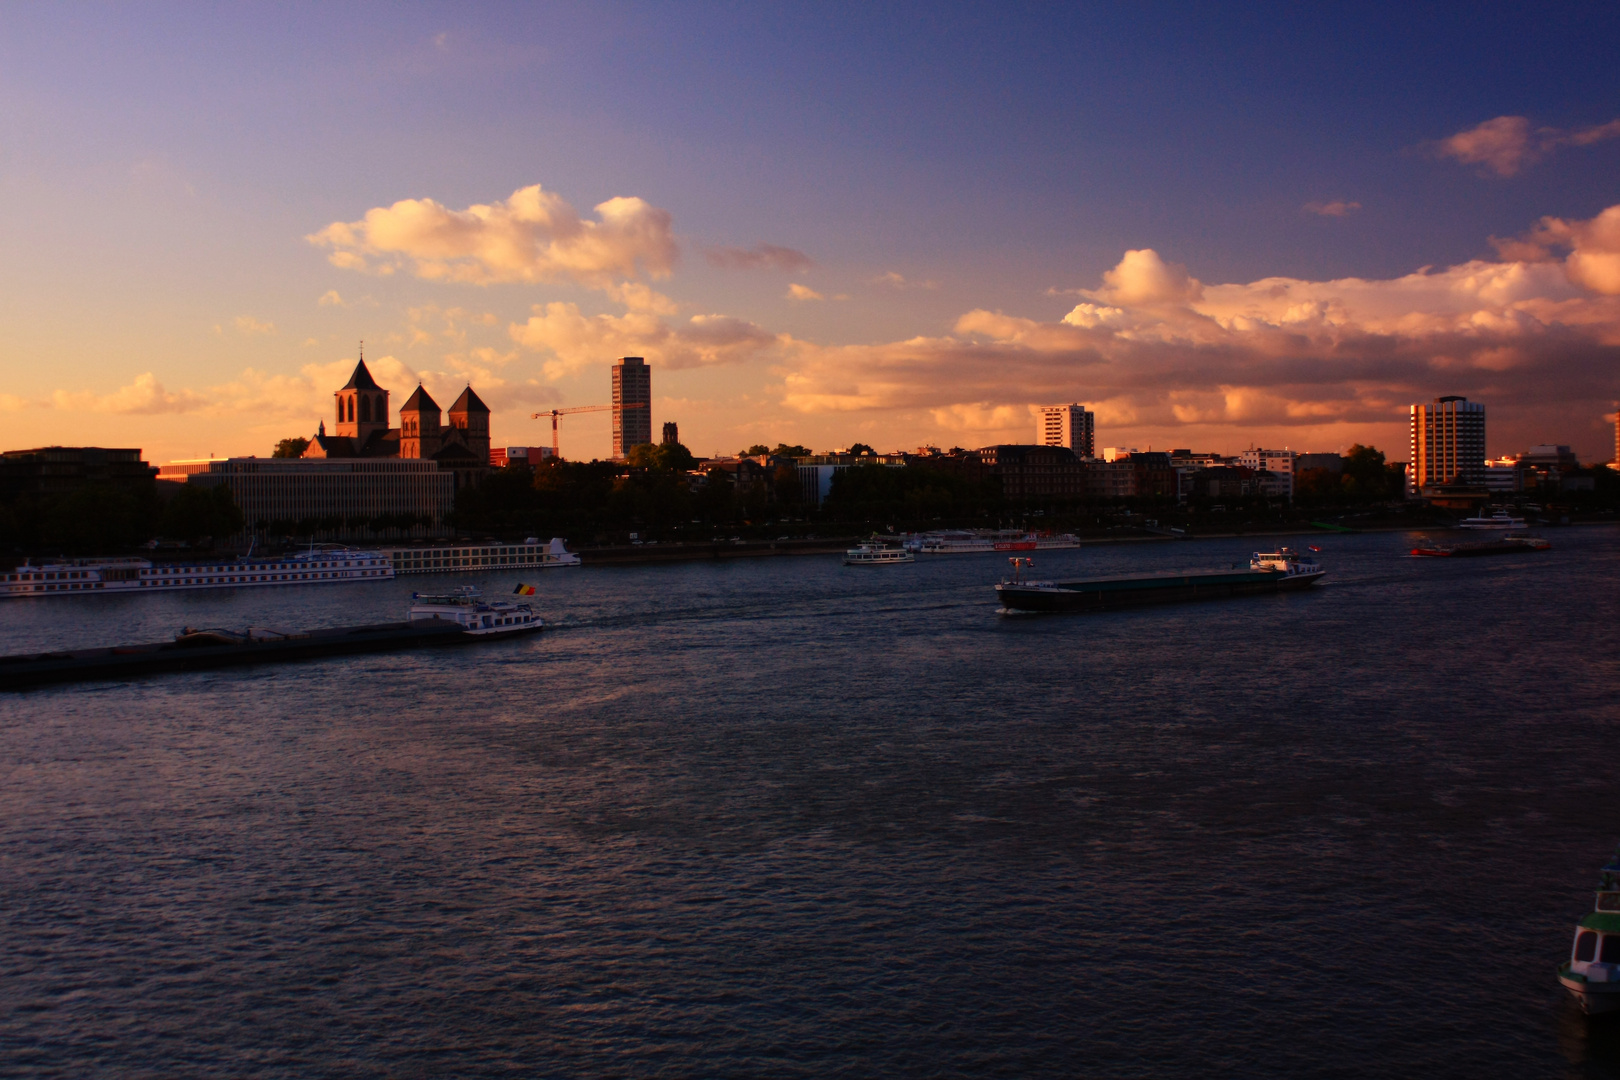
{"x": 361, "y": 379}
{"x": 420, "y": 401}
{"x": 469, "y": 402}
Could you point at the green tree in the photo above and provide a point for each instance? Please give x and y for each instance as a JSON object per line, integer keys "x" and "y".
{"x": 667, "y": 457}
{"x": 1320, "y": 485}
{"x": 861, "y": 448}
{"x": 789, "y": 492}
{"x": 291, "y": 448}
{"x": 790, "y": 450}
{"x": 1367, "y": 476}
{"x": 197, "y": 511}
{"x": 96, "y": 519}
{"x": 754, "y": 451}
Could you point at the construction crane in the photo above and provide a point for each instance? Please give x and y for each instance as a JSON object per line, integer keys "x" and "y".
{"x": 554, "y": 413}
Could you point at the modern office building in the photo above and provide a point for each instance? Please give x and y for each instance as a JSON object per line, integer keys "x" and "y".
{"x": 1071, "y": 426}
{"x": 632, "y": 386}
{"x": 349, "y": 498}
{"x": 1448, "y": 444}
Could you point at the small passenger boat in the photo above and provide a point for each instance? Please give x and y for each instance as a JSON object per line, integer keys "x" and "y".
{"x": 877, "y": 555}
{"x": 467, "y": 608}
{"x": 1592, "y": 972}
{"x": 1499, "y": 520}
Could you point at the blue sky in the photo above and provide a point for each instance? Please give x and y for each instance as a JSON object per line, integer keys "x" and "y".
{"x": 939, "y": 167}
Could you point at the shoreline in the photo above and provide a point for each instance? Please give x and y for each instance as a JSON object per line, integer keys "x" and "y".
{"x": 640, "y": 554}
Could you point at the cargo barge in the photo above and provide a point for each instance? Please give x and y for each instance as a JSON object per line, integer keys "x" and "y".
{"x": 1507, "y": 545}
{"x": 456, "y": 619}
{"x": 1268, "y": 572}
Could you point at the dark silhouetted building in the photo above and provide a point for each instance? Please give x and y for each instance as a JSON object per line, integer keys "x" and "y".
{"x": 632, "y": 385}
{"x": 61, "y": 470}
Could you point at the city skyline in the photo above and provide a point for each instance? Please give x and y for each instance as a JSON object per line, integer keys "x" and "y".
{"x": 835, "y": 233}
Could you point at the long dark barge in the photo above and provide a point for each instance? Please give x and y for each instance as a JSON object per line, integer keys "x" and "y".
{"x": 1271, "y": 572}
{"x": 201, "y": 650}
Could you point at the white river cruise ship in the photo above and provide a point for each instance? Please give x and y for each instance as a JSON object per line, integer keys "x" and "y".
{"x": 143, "y": 575}
{"x": 443, "y": 558}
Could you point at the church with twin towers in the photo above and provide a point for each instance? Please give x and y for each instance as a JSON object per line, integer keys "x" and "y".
{"x": 362, "y": 429}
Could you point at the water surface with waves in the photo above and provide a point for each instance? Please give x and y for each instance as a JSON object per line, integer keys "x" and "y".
{"x": 782, "y": 817}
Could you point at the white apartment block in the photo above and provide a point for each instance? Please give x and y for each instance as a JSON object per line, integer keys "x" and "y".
{"x": 1073, "y": 426}
{"x": 1280, "y": 463}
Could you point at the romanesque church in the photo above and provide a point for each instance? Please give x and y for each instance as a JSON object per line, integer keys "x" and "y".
{"x": 362, "y": 429}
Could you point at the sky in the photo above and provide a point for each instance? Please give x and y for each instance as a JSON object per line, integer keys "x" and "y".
{"x": 903, "y": 225}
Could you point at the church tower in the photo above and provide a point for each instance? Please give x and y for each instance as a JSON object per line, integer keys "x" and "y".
{"x": 419, "y": 426}
{"x": 470, "y": 416}
{"x": 362, "y": 407}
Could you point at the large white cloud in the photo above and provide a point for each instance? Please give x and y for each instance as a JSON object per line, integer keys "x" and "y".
{"x": 1159, "y": 349}
{"x": 573, "y": 341}
{"x": 533, "y": 236}
{"x": 145, "y": 396}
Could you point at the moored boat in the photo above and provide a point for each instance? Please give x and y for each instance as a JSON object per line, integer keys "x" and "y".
{"x": 877, "y": 555}
{"x": 1507, "y": 545}
{"x": 317, "y": 566}
{"x": 1268, "y": 572}
{"x": 1592, "y": 972}
{"x": 1499, "y": 520}
{"x": 966, "y": 542}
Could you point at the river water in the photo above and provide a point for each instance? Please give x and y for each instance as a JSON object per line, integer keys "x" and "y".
{"x": 780, "y": 817}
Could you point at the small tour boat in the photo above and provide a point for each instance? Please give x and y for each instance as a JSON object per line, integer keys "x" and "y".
{"x": 467, "y": 608}
{"x": 1592, "y": 972}
{"x": 877, "y": 555}
{"x": 1499, "y": 520}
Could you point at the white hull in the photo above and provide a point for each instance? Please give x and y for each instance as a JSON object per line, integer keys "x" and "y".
{"x": 143, "y": 576}
{"x": 476, "y": 558}
{"x": 1595, "y": 999}
{"x": 975, "y": 543}
{"x": 468, "y": 609}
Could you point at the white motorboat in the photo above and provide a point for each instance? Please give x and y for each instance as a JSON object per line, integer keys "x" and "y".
{"x": 877, "y": 555}
{"x": 467, "y": 608}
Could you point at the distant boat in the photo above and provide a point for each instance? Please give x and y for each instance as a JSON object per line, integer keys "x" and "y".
{"x": 1592, "y": 972}
{"x": 1507, "y": 545}
{"x": 1499, "y": 520}
{"x": 965, "y": 542}
{"x": 877, "y": 555}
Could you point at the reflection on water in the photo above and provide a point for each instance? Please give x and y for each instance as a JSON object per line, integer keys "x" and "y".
{"x": 785, "y": 817}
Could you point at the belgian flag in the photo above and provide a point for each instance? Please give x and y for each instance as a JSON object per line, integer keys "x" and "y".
{"x": 524, "y": 590}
